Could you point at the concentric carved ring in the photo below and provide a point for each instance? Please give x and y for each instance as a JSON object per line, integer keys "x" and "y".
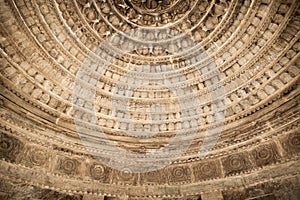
{"x": 99, "y": 172}
{"x": 154, "y": 75}
{"x": 38, "y": 157}
{"x": 294, "y": 141}
{"x": 6, "y": 145}
{"x": 10, "y": 147}
{"x": 68, "y": 165}
{"x": 265, "y": 154}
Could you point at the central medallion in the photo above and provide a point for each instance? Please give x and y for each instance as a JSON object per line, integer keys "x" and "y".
{"x": 151, "y": 6}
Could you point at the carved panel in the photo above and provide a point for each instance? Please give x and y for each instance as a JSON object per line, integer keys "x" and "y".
{"x": 279, "y": 189}
{"x": 154, "y": 177}
{"x": 36, "y": 157}
{"x": 10, "y": 147}
{"x": 178, "y": 174}
{"x": 207, "y": 170}
{"x": 68, "y": 165}
{"x": 5, "y": 189}
{"x": 291, "y": 143}
{"x": 100, "y": 172}
{"x": 253, "y": 43}
{"x": 265, "y": 154}
{"x": 196, "y": 197}
{"x": 236, "y": 163}
{"x": 16, "y": 191}
{"x": 125, "y": 177}
{"x": 151, "y": 5}
{"x": 152, "y": 12}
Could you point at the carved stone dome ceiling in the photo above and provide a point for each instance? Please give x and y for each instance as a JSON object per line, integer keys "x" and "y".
{"x": 219, "y": 77}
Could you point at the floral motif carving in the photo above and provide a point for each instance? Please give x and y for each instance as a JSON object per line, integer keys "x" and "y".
{"x": 291, "y": 143}
{"x": 38, "y": 157}
{"x": 152, "y": 12}
{"x": 207, "y": 170}
{"x": 154, "y": 177}
{"x": 69, "y": 166}
{"x": 152, "y": 5}
{"x": 179, "y": 174}
{"x": 44, "y": 42}
{"x": 10, "y": 147}
{"x": 236, "y": 163}
{"x": 100, "y": 172}
{"x": 265, "y": 154}
{"x": 125, "y": 177}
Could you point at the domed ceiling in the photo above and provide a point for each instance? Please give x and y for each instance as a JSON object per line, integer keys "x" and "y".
{"x": 149, "y": 99}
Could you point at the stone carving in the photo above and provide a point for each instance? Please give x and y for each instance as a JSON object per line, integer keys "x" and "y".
{"x": 146, "y": 13}
{"x": 152, "y": 178}
{"x": 124, "y": 177}
{"x": 291, "y": 143}
{"x": 100, "y": 172}
{"x": 152, "y": 6}
{"x": 194, "y": 197}
{"x": 5, "y": 189}
{"x": 179, "y": 174}
{"x": 1, "y": 102}
{"x": 10, "y": 147}
{"x": 68, "y": 166}
{"x": 207, "y": 170}
{"x": 236, "y": 163}
{"x": 10, "y": 190}
{"x": 276, "y": 189}
{"x": 255, "y": 44}
{"x": 265, "y": 154}
{"x": 38, "y": 157}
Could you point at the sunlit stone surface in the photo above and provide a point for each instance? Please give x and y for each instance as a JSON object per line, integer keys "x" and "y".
{"x": 245, "y": 142}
